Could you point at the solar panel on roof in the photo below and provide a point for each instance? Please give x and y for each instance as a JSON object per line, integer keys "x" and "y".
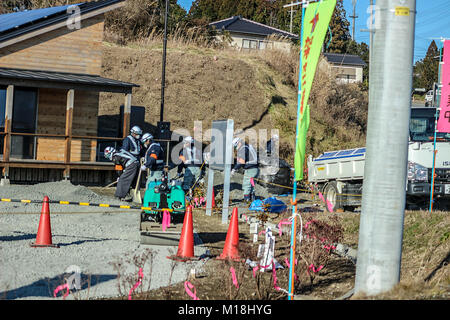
{"x": 14, "y": 20}
{"x": 346, "y": 152}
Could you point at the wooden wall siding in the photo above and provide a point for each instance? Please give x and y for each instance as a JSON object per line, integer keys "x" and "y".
{"x": 62, "y": 50}
{"x": 52, "y": 120}
{"x": 52, "y": 149}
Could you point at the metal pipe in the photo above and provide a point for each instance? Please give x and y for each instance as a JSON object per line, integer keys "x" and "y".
{"x": 384, "y": 190}
{"x": 163, "y": 78}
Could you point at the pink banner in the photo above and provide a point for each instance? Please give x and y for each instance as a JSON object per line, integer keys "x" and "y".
{"x": 444, "y": 119}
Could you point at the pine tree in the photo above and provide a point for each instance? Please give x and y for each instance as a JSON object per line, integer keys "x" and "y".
{"x": 340, "y": 33}
{"x": 426, "y": 70}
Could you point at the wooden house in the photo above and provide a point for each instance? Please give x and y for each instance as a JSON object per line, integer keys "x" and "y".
{"x": 50, "y": 83}
{"x": 245, "y": 34}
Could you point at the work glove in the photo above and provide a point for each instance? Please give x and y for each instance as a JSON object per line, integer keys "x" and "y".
{"x": 143, "y": 168}
{"x": 233, "y": 172}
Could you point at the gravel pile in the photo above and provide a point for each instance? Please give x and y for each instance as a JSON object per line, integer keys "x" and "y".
{"x": 103, "y": 246}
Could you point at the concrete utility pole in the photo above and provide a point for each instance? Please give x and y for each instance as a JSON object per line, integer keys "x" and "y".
{"x": 384, "y": 194}
{"x": 354, "y": 16}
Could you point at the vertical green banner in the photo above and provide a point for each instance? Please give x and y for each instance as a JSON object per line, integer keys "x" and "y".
{"x": 315, "y": 25}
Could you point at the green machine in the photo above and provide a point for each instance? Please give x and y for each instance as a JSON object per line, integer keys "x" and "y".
{"x": 163, "y": 196}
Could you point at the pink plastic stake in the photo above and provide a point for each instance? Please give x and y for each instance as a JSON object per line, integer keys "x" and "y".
{"x": 252, "y": 182}
{"x": 141, "y": 276}
{"x": 233, "y": 276}
{"x": 188, "y": 287}
{"x": 254, "y": 271}
{"x": 164, "y": 221}
{"x": 168, "y": 218}
{"x": 321, "y": 196}
{"x": 61, "y": 287}
{"x": 274, "y": 272}
{"x": 330, "y": 206}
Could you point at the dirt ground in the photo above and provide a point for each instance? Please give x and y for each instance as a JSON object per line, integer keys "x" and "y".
{"x": 337, "y": 277}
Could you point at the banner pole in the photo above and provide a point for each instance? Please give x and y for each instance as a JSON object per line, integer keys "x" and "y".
{"x": 294, "y": 193}
{"x": 434, "y": 145}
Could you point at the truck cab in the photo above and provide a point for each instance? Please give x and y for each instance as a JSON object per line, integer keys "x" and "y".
{"x": 420, "y": 158}
{"x": 339, "y": 175}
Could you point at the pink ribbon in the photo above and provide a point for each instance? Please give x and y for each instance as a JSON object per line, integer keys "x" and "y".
{"x": 188, "y": 286}
{"x": 280, "y": 225}
{"x": 61, "y": 287}
{"x": 313, "y": 268}
{"x": 252, "y": 182}
{"x": 202, "y": 200}
{"x": 254, "y": 271}
{"x": 289, "y": 265}
{"x": 261, "y": 232}
{"x": 196, "y": 202}
{"x": 141, "y": 276}
{"x": 233, "y": 276}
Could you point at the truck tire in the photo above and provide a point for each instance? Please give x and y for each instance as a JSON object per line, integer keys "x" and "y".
{"x": 331, "y": 194}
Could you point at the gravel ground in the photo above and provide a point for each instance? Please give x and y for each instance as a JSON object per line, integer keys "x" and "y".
{"x": 94, "y": 240}
{"x": 103, "y": 244}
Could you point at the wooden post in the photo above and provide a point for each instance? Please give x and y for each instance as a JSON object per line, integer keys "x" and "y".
{"x": 127, "y": 115}
{"x": 8, "y": 126}
{"x": 68, "y": 142}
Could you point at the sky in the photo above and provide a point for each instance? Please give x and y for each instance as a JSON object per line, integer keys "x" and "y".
{"x": 432, "y": 21}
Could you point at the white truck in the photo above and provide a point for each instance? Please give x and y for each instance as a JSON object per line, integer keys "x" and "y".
{"x": 339, "y": 175}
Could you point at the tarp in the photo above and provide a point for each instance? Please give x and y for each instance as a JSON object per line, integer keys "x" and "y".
{"x": 274, "y": 205}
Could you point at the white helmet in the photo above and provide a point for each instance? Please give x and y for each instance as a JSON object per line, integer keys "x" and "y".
{"x": 136, "y": 130}
{"x": 236, "y": 142}
{"x": 108, "y": 152}
{"x": 146, "y": 137}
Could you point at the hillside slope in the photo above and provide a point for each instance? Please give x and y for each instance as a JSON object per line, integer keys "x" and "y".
{"x": 202, "y": 84}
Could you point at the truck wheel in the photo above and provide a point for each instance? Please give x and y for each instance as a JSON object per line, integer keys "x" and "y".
{"x": 331, "y": 194}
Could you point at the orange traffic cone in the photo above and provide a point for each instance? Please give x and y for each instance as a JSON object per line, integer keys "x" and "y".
{"x": 44, "y": 235}
{"x": 230, "y": 250}
{"x": 186, "y": 245}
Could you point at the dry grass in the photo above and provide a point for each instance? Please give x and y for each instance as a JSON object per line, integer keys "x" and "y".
{"x": 258, "y": 89}
{"x": 425, "y": 273}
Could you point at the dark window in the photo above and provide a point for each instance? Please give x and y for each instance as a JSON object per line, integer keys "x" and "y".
{"x": 24, "y": 121}
{"x": 2, "y": 107}
{"x": 2, "y": 115}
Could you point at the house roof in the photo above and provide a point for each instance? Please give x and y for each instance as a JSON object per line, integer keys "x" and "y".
{"x": 13, "y": 25}
{"x": 344, "y": 59}
{"x": 242, "y": 25}
{"x": 61, "y": 80}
